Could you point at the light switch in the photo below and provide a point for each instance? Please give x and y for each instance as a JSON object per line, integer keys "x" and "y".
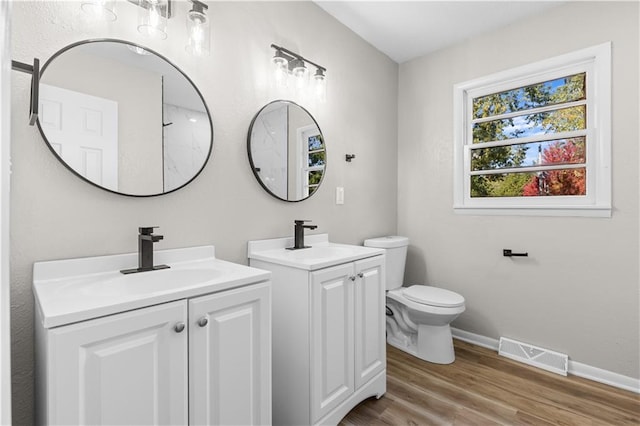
{"x": 339, "y": 195}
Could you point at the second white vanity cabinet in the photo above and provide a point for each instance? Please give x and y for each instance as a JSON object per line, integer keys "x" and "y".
{"x": 199, "y": 354}
{"x": 328, "y": 328}
{"x": 347, "y": 349}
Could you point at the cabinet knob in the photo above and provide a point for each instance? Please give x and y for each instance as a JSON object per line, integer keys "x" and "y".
{"x": 179, "y": 327}
{"x": 360, "y": 275}
{"x": 203, "y": 321}
{"x": 352, "y": 277}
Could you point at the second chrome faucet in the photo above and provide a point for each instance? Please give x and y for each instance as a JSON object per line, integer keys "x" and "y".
{"x": 298, "y": 234}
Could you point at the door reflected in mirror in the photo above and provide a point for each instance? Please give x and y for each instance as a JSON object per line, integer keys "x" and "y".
{"x": 287, "y": 151}
{"x": 124, "y": 118}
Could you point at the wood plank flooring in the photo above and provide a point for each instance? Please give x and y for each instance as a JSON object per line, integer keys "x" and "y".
{"x": 482, "y": 388}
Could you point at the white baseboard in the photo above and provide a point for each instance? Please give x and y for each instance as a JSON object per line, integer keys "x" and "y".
{"x": 575, "y": 368}
{"x": 604, "y": 376}
{"x": 476, "y": 339}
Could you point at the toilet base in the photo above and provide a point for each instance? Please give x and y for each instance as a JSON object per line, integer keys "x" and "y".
{"x": 423, "y": 331}
{"x": 435, "y": 344}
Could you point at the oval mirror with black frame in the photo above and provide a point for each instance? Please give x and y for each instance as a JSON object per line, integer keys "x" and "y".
{"x": 287, "y": 151}
{"x": 124, "y": 118}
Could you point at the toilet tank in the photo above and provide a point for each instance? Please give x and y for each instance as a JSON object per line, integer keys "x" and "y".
{"x": 396, "y": 256}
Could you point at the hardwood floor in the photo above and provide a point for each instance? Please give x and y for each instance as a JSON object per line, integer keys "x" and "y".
{"x": 482, "y": 388}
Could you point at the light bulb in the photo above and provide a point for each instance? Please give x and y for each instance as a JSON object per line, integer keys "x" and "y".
{"x": 320, "y": 83}
{"x": 280, "y": 69}
{"x": 198, "y": 29}
{"x": 151, "y": 20}
{"x": 154, "y": 15}
{"x": 300, "y": 74}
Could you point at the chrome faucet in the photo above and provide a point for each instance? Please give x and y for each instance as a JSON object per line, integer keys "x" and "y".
{"x": 145, "y": 251}
{"x": 298, "y": 231}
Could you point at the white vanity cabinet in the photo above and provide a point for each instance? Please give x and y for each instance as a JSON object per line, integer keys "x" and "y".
{"x": 230, "y": 357}
{"x": 199, "y": 355}
{"x": 328, "y": 329}
{"x": 129, "y": 368}
{"x": 347, "y": 338}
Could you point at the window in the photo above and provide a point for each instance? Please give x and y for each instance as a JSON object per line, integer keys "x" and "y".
{"x": 536, "y": 139}
{"x": 312, "y": 160}
{"x": 315, "y": 163}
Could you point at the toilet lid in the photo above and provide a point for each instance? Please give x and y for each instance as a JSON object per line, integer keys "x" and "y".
{"x": 433, "y": 296}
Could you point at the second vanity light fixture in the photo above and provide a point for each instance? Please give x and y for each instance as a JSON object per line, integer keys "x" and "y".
{"x": 152, "y": 20}
{"x": 288, "y": 65}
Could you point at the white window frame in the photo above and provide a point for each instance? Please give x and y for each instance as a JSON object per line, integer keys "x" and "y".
{"x": 302, "y": 183}
{"x": 596, "y": 62}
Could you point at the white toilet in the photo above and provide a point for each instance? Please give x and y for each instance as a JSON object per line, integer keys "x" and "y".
{"x": 418, "y": 316}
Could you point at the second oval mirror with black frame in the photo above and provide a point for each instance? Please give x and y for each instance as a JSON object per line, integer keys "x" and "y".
{"x": 124, "y": 118}
{"x": 286, "y": 151}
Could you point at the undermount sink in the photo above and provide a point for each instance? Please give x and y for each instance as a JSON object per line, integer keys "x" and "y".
{"x": 149, "y": 282}
{"x": 320, "y": 254}
{"x": 75, "y": 290}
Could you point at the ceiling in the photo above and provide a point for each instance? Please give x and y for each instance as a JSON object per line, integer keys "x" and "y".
{"x": 405, "y": 30}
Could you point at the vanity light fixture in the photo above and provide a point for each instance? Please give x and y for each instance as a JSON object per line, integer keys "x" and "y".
{"x": 289, "y": 65}
{"x": 153, "y": 16}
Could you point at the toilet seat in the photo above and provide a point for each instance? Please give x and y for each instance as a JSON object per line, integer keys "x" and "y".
{"x": 433, "y": 296}
{"x": 398, "y": 295}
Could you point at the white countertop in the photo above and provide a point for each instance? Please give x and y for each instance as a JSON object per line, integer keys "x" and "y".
{"x": 73, "y": 290}
{"x": 321, "y": 253}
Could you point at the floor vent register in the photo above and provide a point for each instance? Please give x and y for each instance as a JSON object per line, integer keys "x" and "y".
{"x": 546, "y": 359}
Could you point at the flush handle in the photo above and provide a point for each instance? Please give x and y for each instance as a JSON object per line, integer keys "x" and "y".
{"x": 203, "y": 321}
{"x": 179, "y": 327}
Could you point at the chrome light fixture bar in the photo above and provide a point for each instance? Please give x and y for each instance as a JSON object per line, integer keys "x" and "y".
{"x": 288, "y": 63}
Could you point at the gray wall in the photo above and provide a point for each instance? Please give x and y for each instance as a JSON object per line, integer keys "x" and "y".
{"x": 577, "y": 293}
{"x": 56, "y": 215}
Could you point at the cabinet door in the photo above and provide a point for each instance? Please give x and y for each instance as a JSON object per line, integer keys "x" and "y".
{"x": 230, "y": 357}
{"x": 124, "y": 369}
{"x": 332, "y": 316}
{"x": 370, "y": 333}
